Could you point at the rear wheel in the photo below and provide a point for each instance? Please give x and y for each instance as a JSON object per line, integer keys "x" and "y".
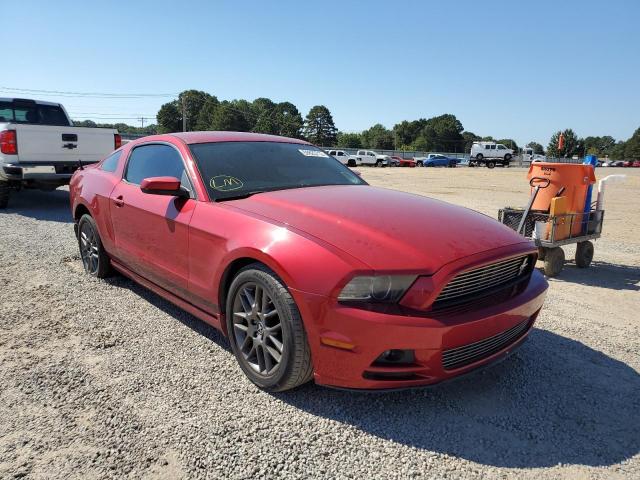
{"x": 94, "y": 257}
{"x": 266, "y": 332}
{"x": 584, "y": 254}
{"x": 491, "y": 164}
{"x": 553, "y": 261}
{"x": 4, "y": 194}
{"x": 507, "y": 157}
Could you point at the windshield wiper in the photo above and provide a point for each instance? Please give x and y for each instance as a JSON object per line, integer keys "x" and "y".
{"x": 240, "y": 195}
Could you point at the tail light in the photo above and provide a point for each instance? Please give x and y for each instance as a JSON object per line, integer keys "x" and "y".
{"x": 117, "y": 141}
{"x": 9, "y": 142}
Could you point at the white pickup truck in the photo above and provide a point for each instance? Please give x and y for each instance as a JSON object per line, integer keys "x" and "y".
{"x": 371, "y": 158}
{"x": 344, "y": 158}
{"x": 40, "y": 148}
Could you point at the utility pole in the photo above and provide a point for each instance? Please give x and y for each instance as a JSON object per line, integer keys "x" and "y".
{"x": 184, "y": 116}
{"x": 141, "y": 122}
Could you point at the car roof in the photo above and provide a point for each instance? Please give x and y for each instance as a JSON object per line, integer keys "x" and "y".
{"x": 210, "y": 137}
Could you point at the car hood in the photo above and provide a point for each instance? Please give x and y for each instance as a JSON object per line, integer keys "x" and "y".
{"x": 385, "y": 229}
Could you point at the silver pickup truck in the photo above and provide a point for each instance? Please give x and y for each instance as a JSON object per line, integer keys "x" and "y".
{"x": 40, "y": 148}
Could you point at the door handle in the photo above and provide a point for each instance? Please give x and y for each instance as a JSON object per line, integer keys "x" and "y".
{"x": 118, "y": 201}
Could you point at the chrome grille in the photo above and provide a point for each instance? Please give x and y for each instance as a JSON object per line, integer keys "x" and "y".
{"x": 474, "y": 352}
{"x": 474, "y": 282}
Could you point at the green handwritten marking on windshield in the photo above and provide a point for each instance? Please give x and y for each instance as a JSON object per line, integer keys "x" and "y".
{"x": 225, "y": 183}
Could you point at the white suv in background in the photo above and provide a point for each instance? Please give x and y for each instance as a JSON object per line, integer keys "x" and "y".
{"x": 490, "y": 154}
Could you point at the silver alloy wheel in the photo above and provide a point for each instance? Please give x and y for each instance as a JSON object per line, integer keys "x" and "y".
{"x": 89, "y": 249}
{"x": 257, "y": 328}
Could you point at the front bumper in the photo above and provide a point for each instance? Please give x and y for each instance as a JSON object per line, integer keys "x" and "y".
{"x": 372, "y": 332}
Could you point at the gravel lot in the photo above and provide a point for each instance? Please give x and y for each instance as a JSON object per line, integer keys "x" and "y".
{"x": 103, "y": 379}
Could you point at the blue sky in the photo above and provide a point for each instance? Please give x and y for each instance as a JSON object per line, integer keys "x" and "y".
{"x": 507, "y": 69}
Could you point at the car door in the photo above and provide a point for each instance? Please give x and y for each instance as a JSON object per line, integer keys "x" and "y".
{"x": 151, "y": 231}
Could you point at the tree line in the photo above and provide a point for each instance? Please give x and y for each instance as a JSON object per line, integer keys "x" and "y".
{"x": 196, "y": 110}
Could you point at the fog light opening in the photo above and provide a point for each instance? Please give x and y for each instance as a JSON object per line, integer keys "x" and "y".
{"x": 396, "y": 357}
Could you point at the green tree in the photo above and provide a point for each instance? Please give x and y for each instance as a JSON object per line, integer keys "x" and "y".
{"x": 349, "y": 140}
{"x": 443, "y": 133}
{"x": 618, "y": 151}
{"x": 229, "y": 118}
{"x": 405, "y": 132}
{"x": 572, "y": 145}
{"x": 193, "y": 101}
{"x": 264, "y": 111}
{"x": 207, "y": 112}
{"x": 469, "y": 138}
{"x": 319, "y": 127}
{"x": 288, "y": 120}
{"x": 600, "y": 146}
{"x": 632, "y": 146}
{"x": 169, "y": 118}
{"x": 378, "y": 137}
{"x": 536, "y": 147}
{"x": 245, "y": 108}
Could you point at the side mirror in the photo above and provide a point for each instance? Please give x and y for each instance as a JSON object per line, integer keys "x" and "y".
{"x": 163, "y": 186}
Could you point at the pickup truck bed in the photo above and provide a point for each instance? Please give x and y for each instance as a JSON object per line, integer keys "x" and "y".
{"x": 40, "y": 148}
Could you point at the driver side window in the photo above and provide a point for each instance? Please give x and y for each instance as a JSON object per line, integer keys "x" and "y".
{"x": 156, "y": 161}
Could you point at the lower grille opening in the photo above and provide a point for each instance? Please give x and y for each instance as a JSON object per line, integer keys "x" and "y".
{"x": 397, "y": 376}
{"x": 474, "y": 352}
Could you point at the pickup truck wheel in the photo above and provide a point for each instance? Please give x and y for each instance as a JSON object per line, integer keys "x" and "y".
{"x": 4, "y": 194}
{"x": 266, "y": 331}
{"x": 94, "y": 257}
{"x": 379, "y": 164}
{"x": 491, "y": 164}
{"x": 507, "y": 158}
{"x": 351, "y": 162}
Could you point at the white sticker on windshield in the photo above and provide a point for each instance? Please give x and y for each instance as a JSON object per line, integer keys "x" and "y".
{"x": 313, "y": 153}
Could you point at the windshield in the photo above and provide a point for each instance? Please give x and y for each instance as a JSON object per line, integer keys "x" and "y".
{"x": 237, "y": 169}
{"x": 32, "y": 113}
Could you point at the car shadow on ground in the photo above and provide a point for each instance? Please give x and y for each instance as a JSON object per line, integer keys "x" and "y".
{"x": 602, "y": 274}
{"x": 555, "y": 401}
{"x": 50, "y": 206}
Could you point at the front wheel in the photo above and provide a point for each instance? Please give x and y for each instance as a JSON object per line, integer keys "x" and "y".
{"x": 94, "y": 257}
{"x": 553, "y": 261}
{"x": 266, "y": 332}
{"x": 507, "y": 157}
{"x": 491, "y": 164}
{"x": 351, "y": 162}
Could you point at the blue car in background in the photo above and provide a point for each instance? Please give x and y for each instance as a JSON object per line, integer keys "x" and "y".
{"x": 440, "y": 161}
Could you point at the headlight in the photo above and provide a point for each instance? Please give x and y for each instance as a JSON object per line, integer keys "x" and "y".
{"x": 383, "y": 288}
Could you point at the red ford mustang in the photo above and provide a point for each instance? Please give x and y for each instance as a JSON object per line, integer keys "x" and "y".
{"x": 309, "y": 271}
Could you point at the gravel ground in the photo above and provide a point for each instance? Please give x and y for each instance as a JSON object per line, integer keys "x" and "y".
{"x": 103, "y": 379}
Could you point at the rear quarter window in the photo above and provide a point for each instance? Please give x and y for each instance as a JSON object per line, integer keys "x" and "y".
{"x": 110, "y": 164}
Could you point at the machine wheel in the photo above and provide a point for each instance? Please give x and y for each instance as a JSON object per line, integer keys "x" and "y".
{"x": 584, "y": 254}
{"x": 542, "y": 252}
{"x": 491, "y": 164}
{"x": 553, "y": 261}
{"x": 4, "y": 194}
{"x": 266, "y": 331}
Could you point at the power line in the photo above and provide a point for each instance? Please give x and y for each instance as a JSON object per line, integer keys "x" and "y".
{"x": 87, "y": 94}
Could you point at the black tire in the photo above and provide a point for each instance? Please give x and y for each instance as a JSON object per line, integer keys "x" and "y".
{"x": 94, "y": 258}
{"x": 584, "y": 254}
{"x": 379, "y": 164}
{"x": 4, "y": 194}
{"x": 420, "y": 164}
{"x": 507, "y": 158}
{"x": 553, "y": 261}
{"x": 452, "y": 164}
{"x": 472, "y": 164}
{"x": 294, "y": 367}
{"x": 542, "y": 253}
{"x": 351, "y": 162}
{"x": 479, "y": 157}
{"x": 491, "y": 164}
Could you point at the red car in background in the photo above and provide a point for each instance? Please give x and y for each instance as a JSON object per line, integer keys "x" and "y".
{"x": 310, "y": 272}
{"x": 404, "y": 162}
